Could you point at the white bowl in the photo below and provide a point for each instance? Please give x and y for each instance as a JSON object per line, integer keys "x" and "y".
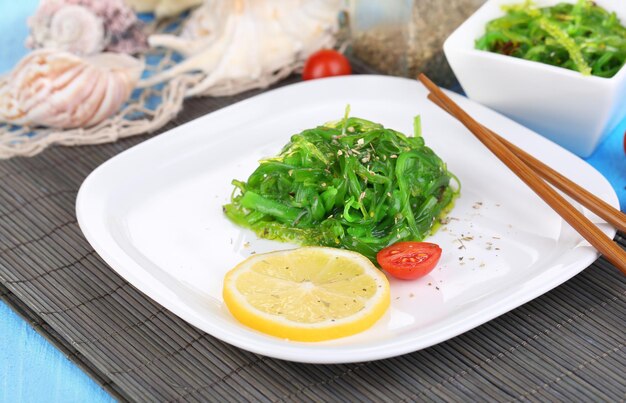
{"x": 572, "y": 110}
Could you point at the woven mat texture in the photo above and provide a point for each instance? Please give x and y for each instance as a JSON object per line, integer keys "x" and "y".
{"x": 566, "y": 345}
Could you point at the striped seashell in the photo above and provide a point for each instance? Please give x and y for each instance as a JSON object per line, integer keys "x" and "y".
{"x": 61, "y": 90}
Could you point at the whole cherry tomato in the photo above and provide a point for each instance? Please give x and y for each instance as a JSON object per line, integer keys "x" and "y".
{"x": 326, "y": 63}
{"x": 409, "y": 260}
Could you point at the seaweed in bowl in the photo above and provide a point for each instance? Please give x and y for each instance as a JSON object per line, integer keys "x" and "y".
{"x": 570, "y": 108}
{"x": 579, "y": 36}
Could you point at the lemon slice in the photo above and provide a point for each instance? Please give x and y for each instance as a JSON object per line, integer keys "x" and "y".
{"x": 307, "y": 294}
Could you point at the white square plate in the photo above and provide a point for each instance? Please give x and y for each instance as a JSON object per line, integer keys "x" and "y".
{"x": 154, "y": 214}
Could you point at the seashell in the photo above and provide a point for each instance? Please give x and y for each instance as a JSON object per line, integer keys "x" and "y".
{"x": 242, "y": 44}
{"x": 163, "y": 8}
{"x": 86, "y": 27}
{"x": 61, "y": 90}
{"x": 75, "y": 29}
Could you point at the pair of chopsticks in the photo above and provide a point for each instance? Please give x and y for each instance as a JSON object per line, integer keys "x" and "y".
{"x": 533, "y": 172}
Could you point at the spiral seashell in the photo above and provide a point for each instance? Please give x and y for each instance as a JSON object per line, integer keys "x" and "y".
{"x": 86, "y": 27}
{"x": 61, "y": 90}
{"x": 73, "y": 28}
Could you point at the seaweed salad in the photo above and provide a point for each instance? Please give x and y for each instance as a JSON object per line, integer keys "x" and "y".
{"x": 581, "y": 36}
{"x": 352, "y": 184}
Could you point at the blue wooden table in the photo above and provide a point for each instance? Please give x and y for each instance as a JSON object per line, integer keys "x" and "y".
{"x": 31, "y": 369}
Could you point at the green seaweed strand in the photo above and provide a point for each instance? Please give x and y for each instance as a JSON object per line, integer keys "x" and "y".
{"x": 352, "y": 184}
{"x": 568, "y": 43}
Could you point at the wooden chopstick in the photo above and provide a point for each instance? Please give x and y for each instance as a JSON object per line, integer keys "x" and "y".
{"x": 596, "y": 205}
{"x": 598, "y": 239}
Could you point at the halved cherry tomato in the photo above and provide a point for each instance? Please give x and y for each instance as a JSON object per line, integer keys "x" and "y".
{"x": 326, "y": 63}
{"x": 409, "y": 260}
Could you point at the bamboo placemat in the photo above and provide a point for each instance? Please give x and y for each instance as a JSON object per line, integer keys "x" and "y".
{"x": 565, "y": 345}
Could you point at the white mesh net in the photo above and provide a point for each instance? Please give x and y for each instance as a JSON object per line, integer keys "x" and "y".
{"x": 147, "y": 110}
